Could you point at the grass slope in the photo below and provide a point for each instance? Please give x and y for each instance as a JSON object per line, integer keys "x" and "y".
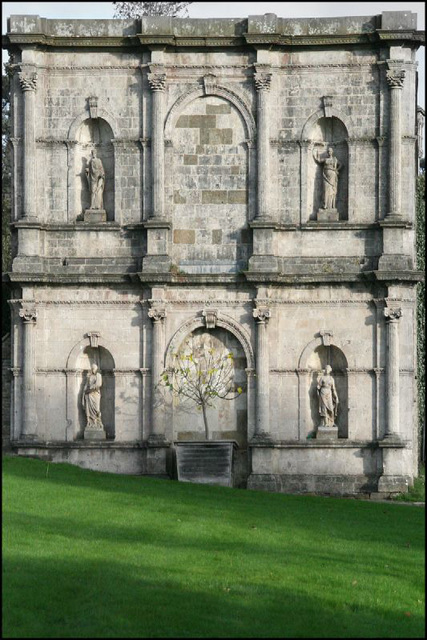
{"x": 88, "y": 554}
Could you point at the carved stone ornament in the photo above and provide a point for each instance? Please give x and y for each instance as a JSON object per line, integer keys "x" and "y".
{"x": 156, "y": 314}
{"x": 157, "y": 81}
{"x": 209, "y": 83}
{"x": 29, "y": 314}
{"x": 262, "y": 314}
{"x": 327, "y": 106}
{"x": 262, "y": 81}
{"x": 393, "y": 315}
{"x": 395, "y": 78}
{"x": 93, "y": 106}
{"x": 326, "y": 336}
{"x": 28, "y": 81}
{"x": 93, "y": 338}
{"x": 210, "y": 316}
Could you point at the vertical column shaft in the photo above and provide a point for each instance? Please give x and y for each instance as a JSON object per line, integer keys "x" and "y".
{"x": 29, "y": 416}
{"x": 262, "y": 84}
{"x": 262, "y": 424}
{"x": 395, "y": 78}
{"x": 392, "y": 371}
{"x": 157, "y": 83}
{"x": 157, "y": 412}
{"x": 28, "y": 82}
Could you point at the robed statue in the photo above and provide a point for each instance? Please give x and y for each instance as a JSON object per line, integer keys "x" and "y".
{"x": 92, "y": 399}
{"x": 331, "y": 168}
{"x": 328, "y": 398}
{"x": 96, "y": 179}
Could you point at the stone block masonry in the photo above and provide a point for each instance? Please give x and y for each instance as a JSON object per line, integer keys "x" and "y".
{"x": 241, "y": 185}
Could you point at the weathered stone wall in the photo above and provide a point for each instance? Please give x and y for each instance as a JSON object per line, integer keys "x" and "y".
{"x": 6, "y": 391}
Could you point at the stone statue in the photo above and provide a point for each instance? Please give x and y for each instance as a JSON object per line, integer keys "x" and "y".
{"x": 92, "y": 399}
{"x": 328, "y": 398}
{"x": 331, "y": 167}
{"x": 96, "y": 178}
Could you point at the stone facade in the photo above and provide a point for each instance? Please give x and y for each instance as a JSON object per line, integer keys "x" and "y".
{"x": 214, "y": 222}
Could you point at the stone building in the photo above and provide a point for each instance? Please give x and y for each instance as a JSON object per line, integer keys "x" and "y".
{"x": 248, "y": 182}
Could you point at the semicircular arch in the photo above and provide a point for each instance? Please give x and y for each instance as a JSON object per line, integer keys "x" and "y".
{"x": 79, "y": 348}
{"x": 345, "y": 120}
{"x": 314, "y": 344}
{"x": 102, "y": 113}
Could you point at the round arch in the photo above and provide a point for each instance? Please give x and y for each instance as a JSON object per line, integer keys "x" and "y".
{"x": 102, "y": 113}
{"x": 79, "y": 348}
{"x": 223, "y": 321}
{"x": 217, "y": 90}
{"x": 334, "y": 113}
{"x": 312, "y": 345}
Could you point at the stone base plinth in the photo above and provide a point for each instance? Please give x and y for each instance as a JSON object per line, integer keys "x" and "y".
{"x": 335, "y": 485}
{"x": 327, "y": 433}
{"x": 95, "y": 434}
{"x": 95, "y": 215}
{"x": 393, "y": 484}
{"x": 206, "y": 462}
{"x": 328, "y": 215}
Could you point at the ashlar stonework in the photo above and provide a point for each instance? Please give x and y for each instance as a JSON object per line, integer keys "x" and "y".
{"x": 245, "y": 182}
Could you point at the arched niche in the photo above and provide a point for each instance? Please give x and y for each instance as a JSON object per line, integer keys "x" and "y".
{"x": 313, "y": 360}
{"x": 93, "y": 133}
{"x": 329, "y": 355}
{"x": 324, "y": 133}
{"x": 208, "y": 191}
{"x": 79, "y": 362}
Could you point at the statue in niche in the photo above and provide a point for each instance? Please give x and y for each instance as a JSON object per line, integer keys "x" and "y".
{"x": 96, "y": 179}
{"x": 328, "y": 399}
{"x": 92, "y": 400}
{"x": 331, "y": 168}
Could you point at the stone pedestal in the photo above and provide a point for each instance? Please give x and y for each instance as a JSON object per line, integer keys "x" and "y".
{"x": 95, "y": 215}
{"x": 327, "y": 433}
{"x": 95, "y": 434}
{"x": 328, "y": 215}
{"x": 206, "y": 462}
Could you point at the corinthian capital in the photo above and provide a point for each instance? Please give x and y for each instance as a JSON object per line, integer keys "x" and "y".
{"x": 29, "y": 314}
{"x": 262, "y": 81}
{"x": 262, "y": 314}
{"x": 157, "y": 81}
{"x": 28, "y": 80}
{"x": 392, "y": 315}
{"x": 157, "y": 314}
{"x": 395, "y": 74}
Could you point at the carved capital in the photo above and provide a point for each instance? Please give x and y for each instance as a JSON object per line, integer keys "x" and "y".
{"x": 262, "y": 314}
{"x": 392, "y": 315}
{"x": 28, "y": 314}
{"x": 395, "y": 77}
{"x": 326, "y": 335}
{"x": 157, "y": 81}
{"x": 93, "y": 106}
{"x": 209, "y": 83}
{"x": 262, "y": 81}
{"x": 93, "y": 338}
{"x": 157, "y": 314}
{"x": 28, "y": 80}
{"x": 211, "y": 316}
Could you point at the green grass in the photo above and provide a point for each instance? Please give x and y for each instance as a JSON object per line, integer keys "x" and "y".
{"x": 88, "y": 554}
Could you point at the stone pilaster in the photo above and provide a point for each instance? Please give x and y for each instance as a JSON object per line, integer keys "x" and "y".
{"x": 28, "y": 313}
{"x": 392, "y": 372}
{"x": 262, "y": 80}
{"x": 157, "y": 82}
{"x": 157, "y": 434}
{"x": 28, "y": 82}
{"x": 395, "y": 76}
{"x": 262, "y": 423}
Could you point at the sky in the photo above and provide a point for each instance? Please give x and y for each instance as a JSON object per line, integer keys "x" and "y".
{"x": 105, "y": 10}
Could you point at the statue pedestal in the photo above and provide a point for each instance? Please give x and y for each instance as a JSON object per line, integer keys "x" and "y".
{"x": 95, "y": 434}
{"x": 95, "y": 215}
{"x": 328, "y": 215}
{"x": 327, "y": 433}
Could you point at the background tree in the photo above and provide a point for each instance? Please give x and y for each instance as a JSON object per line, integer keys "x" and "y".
{"x": 421, "y": 306}
{"x": 137, "y": 9}
{"x": 202, "y": 374}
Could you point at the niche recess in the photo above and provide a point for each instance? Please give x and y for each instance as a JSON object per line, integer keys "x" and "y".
{"x": 103, "y": 358}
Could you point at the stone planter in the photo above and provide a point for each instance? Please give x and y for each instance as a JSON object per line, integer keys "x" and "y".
{"x": 206, "y": 462}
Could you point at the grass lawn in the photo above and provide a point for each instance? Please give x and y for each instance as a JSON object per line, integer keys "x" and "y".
{"x": 91, "y": 555}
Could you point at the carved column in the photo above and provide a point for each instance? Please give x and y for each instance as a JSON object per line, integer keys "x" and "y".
{"x": 157, "y": 82}
{"x": 392, "y": 372}
{"x": 262, "y": 423}
{"x": 262, "y": 81}
{"x": 28, "y": 82}
{"x": 157, "y": 412}
{"x": 395, "y": 76}
{"x": 29, "y": 415}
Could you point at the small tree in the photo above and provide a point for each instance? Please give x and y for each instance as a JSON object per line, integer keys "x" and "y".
{"x": 138, "y": 9}
{"x": 202, "y": 375}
